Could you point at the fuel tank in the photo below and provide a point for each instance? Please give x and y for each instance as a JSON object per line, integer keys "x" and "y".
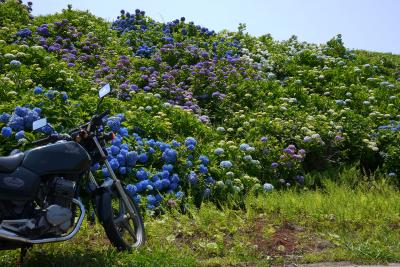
{"x": 58, "y": 158}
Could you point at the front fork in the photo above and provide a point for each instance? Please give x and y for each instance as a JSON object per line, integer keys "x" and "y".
{"x": 115, "y": 180}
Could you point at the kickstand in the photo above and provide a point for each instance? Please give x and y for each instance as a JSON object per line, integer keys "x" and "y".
{"x": 22, "y": 255}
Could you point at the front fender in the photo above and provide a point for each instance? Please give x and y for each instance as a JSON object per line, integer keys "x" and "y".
{"x": 103, "y": 201}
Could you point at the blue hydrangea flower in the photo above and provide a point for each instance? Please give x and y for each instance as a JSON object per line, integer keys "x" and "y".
{"x": 219, "y": 151}
{"x": 15, "y": 63}
{"x": 50, "y": 94}
{"x": 159, "y": 198}
{"x": 141, "y": 186}
{"x": 150, "y": 207}
{"x": 116, "y": 141}
{"x": 190, "y": 142}
{"x": 164, "y": 174}
{"x": 143, "y": 158}
{"x": 210, "y": 180}
{"x": 151, "y": 143}
{"x": 225, "y": 164}
{"x": 175, "y": 143}
{"x": 175, "y": 178}
{"x": 37, "y": 90}
{"x": 131, "y": 158}
{"x": 164, "y": 146}
{"x": 247, "y": 157}
{"x": 16, "y": 122}
{"x": 268, "y": 187}
{"x": 122, "y": 170}
{"x": 47, "y": 129}
{"x": 244, "y": 147}
{"x": 19, "y": 135}
{"x": 274, "y": 165}
{"x": 30, "y": 118}
{"x": 203, "y": 169}
{"x": 64, "y": 96}
{"x": 204, "y": 160}
{"x": 114, "y": 150}
{"x": 173, "y": 186}
{"x": 124, "y": 147}
{"x": 168, "y": 167}
{"x": 5, "y": 117}
{"x": 179, "y": 194}
{"x": 131, "y": 189}
{"x": 37, "y": 110}
{"x": 6, "y": 132}
{"x": 158, "y": 185}
{"x": 114, "y": 164}
{"x": 170, "y": 156}
{"x": 21, "y": 111}
{"x": 142, "y": 174}
{"x": 123, "y": 131}
{"x": 137, "y": 199}
{"x": 114, "y": 124}
{"x": 165, "y": 183}
{"x": 192, "y": 177}
{"x": 105, "y": 172}
{"x": 151, "y": 200}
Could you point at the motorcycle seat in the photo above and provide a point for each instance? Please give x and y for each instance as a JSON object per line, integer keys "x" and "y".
{"x": 10, "y": 163}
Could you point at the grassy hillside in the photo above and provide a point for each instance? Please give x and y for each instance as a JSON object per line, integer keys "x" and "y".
{"x": 214, "y": 122}
{"x": 337, "y": 224}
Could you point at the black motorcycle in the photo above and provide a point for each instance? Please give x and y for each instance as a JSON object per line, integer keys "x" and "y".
{"x": 40, "y": 190}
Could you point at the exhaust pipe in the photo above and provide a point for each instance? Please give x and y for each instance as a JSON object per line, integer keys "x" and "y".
{"x": 8, "y": 235}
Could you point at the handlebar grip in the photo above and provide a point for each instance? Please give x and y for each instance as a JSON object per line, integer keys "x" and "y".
{"x": 52, "y": 138}
{"x": 43, "y": 141}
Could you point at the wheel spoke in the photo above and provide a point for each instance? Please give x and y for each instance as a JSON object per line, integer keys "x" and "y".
{"x": 121, "y": 218}
{"x": 128, "y": 227}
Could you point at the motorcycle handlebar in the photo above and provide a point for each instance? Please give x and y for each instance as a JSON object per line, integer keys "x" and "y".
{"x": 51, "y": 139}
{"x": 97, "y": 119}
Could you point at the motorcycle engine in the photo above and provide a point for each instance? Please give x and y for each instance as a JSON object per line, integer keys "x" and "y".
{"x": 54, "y": 216}
{"x": 58, "y": 215}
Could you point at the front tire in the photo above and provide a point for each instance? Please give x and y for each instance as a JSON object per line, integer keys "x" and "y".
{"x": 124, "y": 232}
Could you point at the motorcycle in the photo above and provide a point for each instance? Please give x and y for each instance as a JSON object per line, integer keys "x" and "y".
{"x": 41, "y": 188}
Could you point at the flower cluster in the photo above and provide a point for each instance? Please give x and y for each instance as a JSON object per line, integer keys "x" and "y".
{"x": 19, "y": 121}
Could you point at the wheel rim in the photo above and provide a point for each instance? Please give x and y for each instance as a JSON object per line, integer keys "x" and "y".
{"x": 130, "y": 229}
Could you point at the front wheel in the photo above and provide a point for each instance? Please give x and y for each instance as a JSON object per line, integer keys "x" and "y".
{"x": 123, "y": 231}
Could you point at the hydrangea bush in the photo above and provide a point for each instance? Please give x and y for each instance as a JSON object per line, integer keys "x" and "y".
{"x": 199, "y": 114}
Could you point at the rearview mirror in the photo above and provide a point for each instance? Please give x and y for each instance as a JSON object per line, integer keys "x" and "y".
{"x": 105, "y": 90}
{"x": 39, "y": 124}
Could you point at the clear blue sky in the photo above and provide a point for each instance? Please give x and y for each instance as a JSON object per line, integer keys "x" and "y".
{"x": 365, "y": 24}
